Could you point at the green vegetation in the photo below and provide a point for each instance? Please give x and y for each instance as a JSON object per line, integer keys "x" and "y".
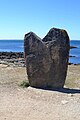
{"x": 24, "y": 84}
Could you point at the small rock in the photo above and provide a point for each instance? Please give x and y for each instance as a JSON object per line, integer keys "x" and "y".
{"x": 64, "y": 102}
{"x": 71, "y": 95}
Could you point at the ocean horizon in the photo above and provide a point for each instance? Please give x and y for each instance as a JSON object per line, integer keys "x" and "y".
{"x": 18, "y": 46}
{"x": 11, "y": 45}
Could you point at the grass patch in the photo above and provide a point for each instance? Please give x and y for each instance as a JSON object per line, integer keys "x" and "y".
{"x": 24, "y": 84}
{"x": 70, "y": 83}
{"x": 73, "y": 76}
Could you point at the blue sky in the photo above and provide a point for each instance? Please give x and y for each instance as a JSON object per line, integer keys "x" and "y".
{"x": 18, "y": 17}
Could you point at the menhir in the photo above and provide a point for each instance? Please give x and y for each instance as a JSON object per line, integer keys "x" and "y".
{"x": 47, "y": 58}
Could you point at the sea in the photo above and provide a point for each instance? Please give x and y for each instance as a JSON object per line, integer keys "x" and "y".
{"x": 18, "y": 46}
{"x": 75, "y": 52}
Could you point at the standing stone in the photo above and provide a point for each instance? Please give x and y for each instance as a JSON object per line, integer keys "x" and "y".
{"x": 47, "y": 58}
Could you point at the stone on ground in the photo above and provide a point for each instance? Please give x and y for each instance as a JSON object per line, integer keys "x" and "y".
{"x": 47, "y": 58}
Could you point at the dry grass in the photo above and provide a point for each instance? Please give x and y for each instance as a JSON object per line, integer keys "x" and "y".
{"x": 73, "y": 76}
{"x": 10, "y": 74}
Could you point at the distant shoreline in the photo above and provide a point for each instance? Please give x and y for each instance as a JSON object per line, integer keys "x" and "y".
{"x": 11, "y": 55}
{"x": 17, "y": 57}
{"x": 12, "y": 58}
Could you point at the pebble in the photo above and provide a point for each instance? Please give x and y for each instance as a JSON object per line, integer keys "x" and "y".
{"x": 64, "y": 102}
{"x": 71, "y": 95}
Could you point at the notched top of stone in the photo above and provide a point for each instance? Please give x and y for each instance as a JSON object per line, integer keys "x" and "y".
{"x": 55, "y": 34}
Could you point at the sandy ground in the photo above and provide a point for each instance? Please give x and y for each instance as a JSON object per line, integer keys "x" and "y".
{"x": 18, "y": 103}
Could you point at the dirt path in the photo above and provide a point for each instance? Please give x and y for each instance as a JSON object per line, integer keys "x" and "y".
{"x": 36, "y": 104}
{"x": 18, "y": 103}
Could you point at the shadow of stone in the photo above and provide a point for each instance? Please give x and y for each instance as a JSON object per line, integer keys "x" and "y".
{"x": 63, "y": 90}
{"x": 67, "y": 90}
